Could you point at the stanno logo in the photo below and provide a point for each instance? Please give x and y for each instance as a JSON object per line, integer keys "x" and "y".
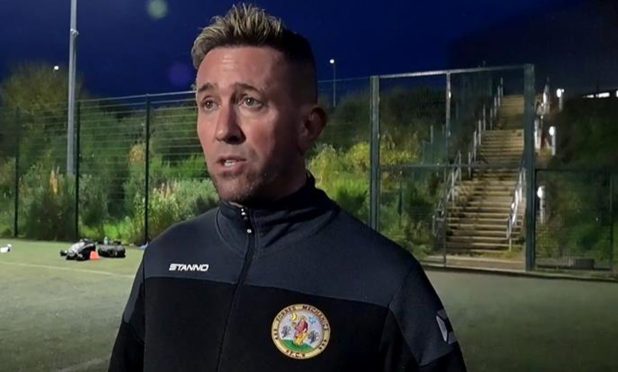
{"x": 188, "y": 267}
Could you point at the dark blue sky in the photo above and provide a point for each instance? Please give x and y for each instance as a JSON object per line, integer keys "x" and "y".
{"x": 124, "y": 50}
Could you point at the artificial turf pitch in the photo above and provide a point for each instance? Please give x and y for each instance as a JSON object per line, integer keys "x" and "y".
{"x": 58, "y": 315}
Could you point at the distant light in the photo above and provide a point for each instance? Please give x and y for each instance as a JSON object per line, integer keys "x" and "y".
{"x": 540, "y": 192}
{"x": 552, "y": 131}
{"x": 332, "y": 61}
{"x": 603, "y": 95}
{"x": 617, "y": 94}
{"x": 157, "y": 9}
{"x": 592, "y": 95}
{"x": 56, "y": 68}
{"x": 559, "y": 92}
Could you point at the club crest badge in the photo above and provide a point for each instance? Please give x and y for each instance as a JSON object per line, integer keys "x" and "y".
{"x": 300, "y": 331}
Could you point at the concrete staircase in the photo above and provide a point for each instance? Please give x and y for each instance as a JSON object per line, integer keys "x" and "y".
{"x": 477, "y": 222}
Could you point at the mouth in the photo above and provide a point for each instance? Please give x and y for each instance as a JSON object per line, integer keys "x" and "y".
{"x": 230, "y": 163}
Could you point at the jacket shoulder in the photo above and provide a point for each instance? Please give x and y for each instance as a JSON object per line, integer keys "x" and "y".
{"x": 181, "y": 233}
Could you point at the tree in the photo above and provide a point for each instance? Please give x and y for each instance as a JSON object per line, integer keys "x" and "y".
{"x": 33, "y": 100}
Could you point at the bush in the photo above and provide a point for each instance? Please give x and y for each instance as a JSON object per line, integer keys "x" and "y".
{"x": 47, "y": 199}
{"x": 170, "y": 203}
{"x": 407, "y": 201}
{"x": 92, "y": 201}
{"x": 7, "y": 195}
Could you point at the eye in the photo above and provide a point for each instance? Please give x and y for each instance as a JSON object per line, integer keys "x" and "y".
{"x": 251, "y": 102}
{"x": 208, "y": 105}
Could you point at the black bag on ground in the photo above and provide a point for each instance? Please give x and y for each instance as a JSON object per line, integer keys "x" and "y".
{"x": 79, "y": 251}
{"x": 111, "y": 250}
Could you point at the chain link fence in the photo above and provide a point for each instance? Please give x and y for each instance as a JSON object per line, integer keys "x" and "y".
{"x": 576, "y": 220}
{"x": 400, "y": 152}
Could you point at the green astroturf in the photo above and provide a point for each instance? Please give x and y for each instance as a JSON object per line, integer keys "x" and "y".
{"x": 58, "y": 315}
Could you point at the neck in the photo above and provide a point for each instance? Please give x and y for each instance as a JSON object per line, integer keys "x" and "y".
{"x": 293, "y": 184}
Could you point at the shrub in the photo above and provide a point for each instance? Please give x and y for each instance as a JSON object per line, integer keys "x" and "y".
{"x": 48, "y": 199}
{"x": 92, "y": 201}
{"x": 7, "y": 195}
{"x": 171, "y": 202}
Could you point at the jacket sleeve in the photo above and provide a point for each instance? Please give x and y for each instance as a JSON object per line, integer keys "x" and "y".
{"x": 417, "y": 334}
{"x": 128, "y": 351}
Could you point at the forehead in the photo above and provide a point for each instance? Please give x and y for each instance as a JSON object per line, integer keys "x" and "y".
{"x": 259, "y": 66}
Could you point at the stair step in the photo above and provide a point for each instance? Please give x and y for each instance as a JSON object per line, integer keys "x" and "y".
{"x": 478, "y": 238}
{"x": 482, "y": 209}
{"x": 505, "y": 153}
{"x": 474, "y": 256}
{"x": 476, "y": 245}
{"x": 470, "y": 185}
{"x": 490, "y": 221}
{"x": 489, "y": 201}
{"x": 482, "y": 194}
{"x": 487, "y": 147}
{"x": 489, "y": 181}
{"x": 477, "y": 234}
{"x": 472, "y": 223}
{"x": 472, "y": 229}
{"x": 501, "y": 154}
{"x": 497, "y": 170}
{"x": 503, "y": 132}
{"x": 476, "y": 214}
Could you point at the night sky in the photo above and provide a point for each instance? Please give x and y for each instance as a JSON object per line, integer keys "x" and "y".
{"x": 142, "y": 46}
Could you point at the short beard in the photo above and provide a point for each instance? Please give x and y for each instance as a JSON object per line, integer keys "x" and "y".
{"x": 251, "y": 194}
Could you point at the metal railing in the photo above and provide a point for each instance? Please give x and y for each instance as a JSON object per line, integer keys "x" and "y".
{"x": 449, "y": 194}
{"x": 518, "y": 194}
{"x": 483, "y": 124}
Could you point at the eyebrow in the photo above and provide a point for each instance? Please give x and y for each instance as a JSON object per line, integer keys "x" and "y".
{"x": 205, "y": 87}
{"x": 243, "y": 86}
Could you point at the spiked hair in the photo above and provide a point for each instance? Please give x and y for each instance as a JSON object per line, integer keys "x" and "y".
{"x": 248, "y": 25}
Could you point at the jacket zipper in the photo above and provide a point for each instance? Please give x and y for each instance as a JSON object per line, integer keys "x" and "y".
{"x": 244, "y": 213}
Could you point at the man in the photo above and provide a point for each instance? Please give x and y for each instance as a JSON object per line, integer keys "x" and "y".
{"x": 278, "y": 277}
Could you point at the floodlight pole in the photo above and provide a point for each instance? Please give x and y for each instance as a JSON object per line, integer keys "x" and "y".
{"x": 72, "y": 72}
{"x": 334, "y": 64}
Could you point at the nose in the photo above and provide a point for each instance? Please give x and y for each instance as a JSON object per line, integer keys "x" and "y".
{"x": 227, "y": 129}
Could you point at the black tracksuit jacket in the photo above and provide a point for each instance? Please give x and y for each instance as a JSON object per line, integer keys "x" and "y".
{"x": 208, "y": 291}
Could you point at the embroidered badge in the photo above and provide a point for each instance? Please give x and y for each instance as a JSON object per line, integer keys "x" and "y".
{"x": 300, "y": 331}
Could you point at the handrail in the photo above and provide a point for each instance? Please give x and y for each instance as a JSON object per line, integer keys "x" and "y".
{"x": 515, "y": 201}
{"x": 450, "y": 194}
{"x": 483, "y": 124}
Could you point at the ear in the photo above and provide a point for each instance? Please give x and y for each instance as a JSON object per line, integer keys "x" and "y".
{"x": 313, "y": 122}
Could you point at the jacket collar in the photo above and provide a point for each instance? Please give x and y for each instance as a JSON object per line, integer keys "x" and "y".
{"x": 280, "y": 222}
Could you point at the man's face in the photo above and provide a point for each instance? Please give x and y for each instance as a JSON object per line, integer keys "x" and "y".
{"x": 248, "y": 123}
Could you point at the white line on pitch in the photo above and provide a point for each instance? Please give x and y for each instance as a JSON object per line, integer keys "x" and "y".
{"x": 67, "y": 269}
{"x": 84, "y": 365}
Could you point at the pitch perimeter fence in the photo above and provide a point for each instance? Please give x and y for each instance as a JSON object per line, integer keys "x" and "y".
{"x": 396, "y": 153}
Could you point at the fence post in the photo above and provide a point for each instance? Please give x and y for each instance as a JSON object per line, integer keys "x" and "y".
{"x": 77, "y": 161}
{"x": 147, "y": 169}
{"x": 447, "y": 125}
{"x": 16, "y": 194}
{"x": 530, "y": 166}
{"x": 375, "y": 152}
{"x": 611, "y": 221}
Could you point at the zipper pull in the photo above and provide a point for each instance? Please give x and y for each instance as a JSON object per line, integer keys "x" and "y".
{"x": 245, "y": 217}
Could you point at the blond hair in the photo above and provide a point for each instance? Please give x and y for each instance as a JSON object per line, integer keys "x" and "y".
{"x": 248, "y": 25}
